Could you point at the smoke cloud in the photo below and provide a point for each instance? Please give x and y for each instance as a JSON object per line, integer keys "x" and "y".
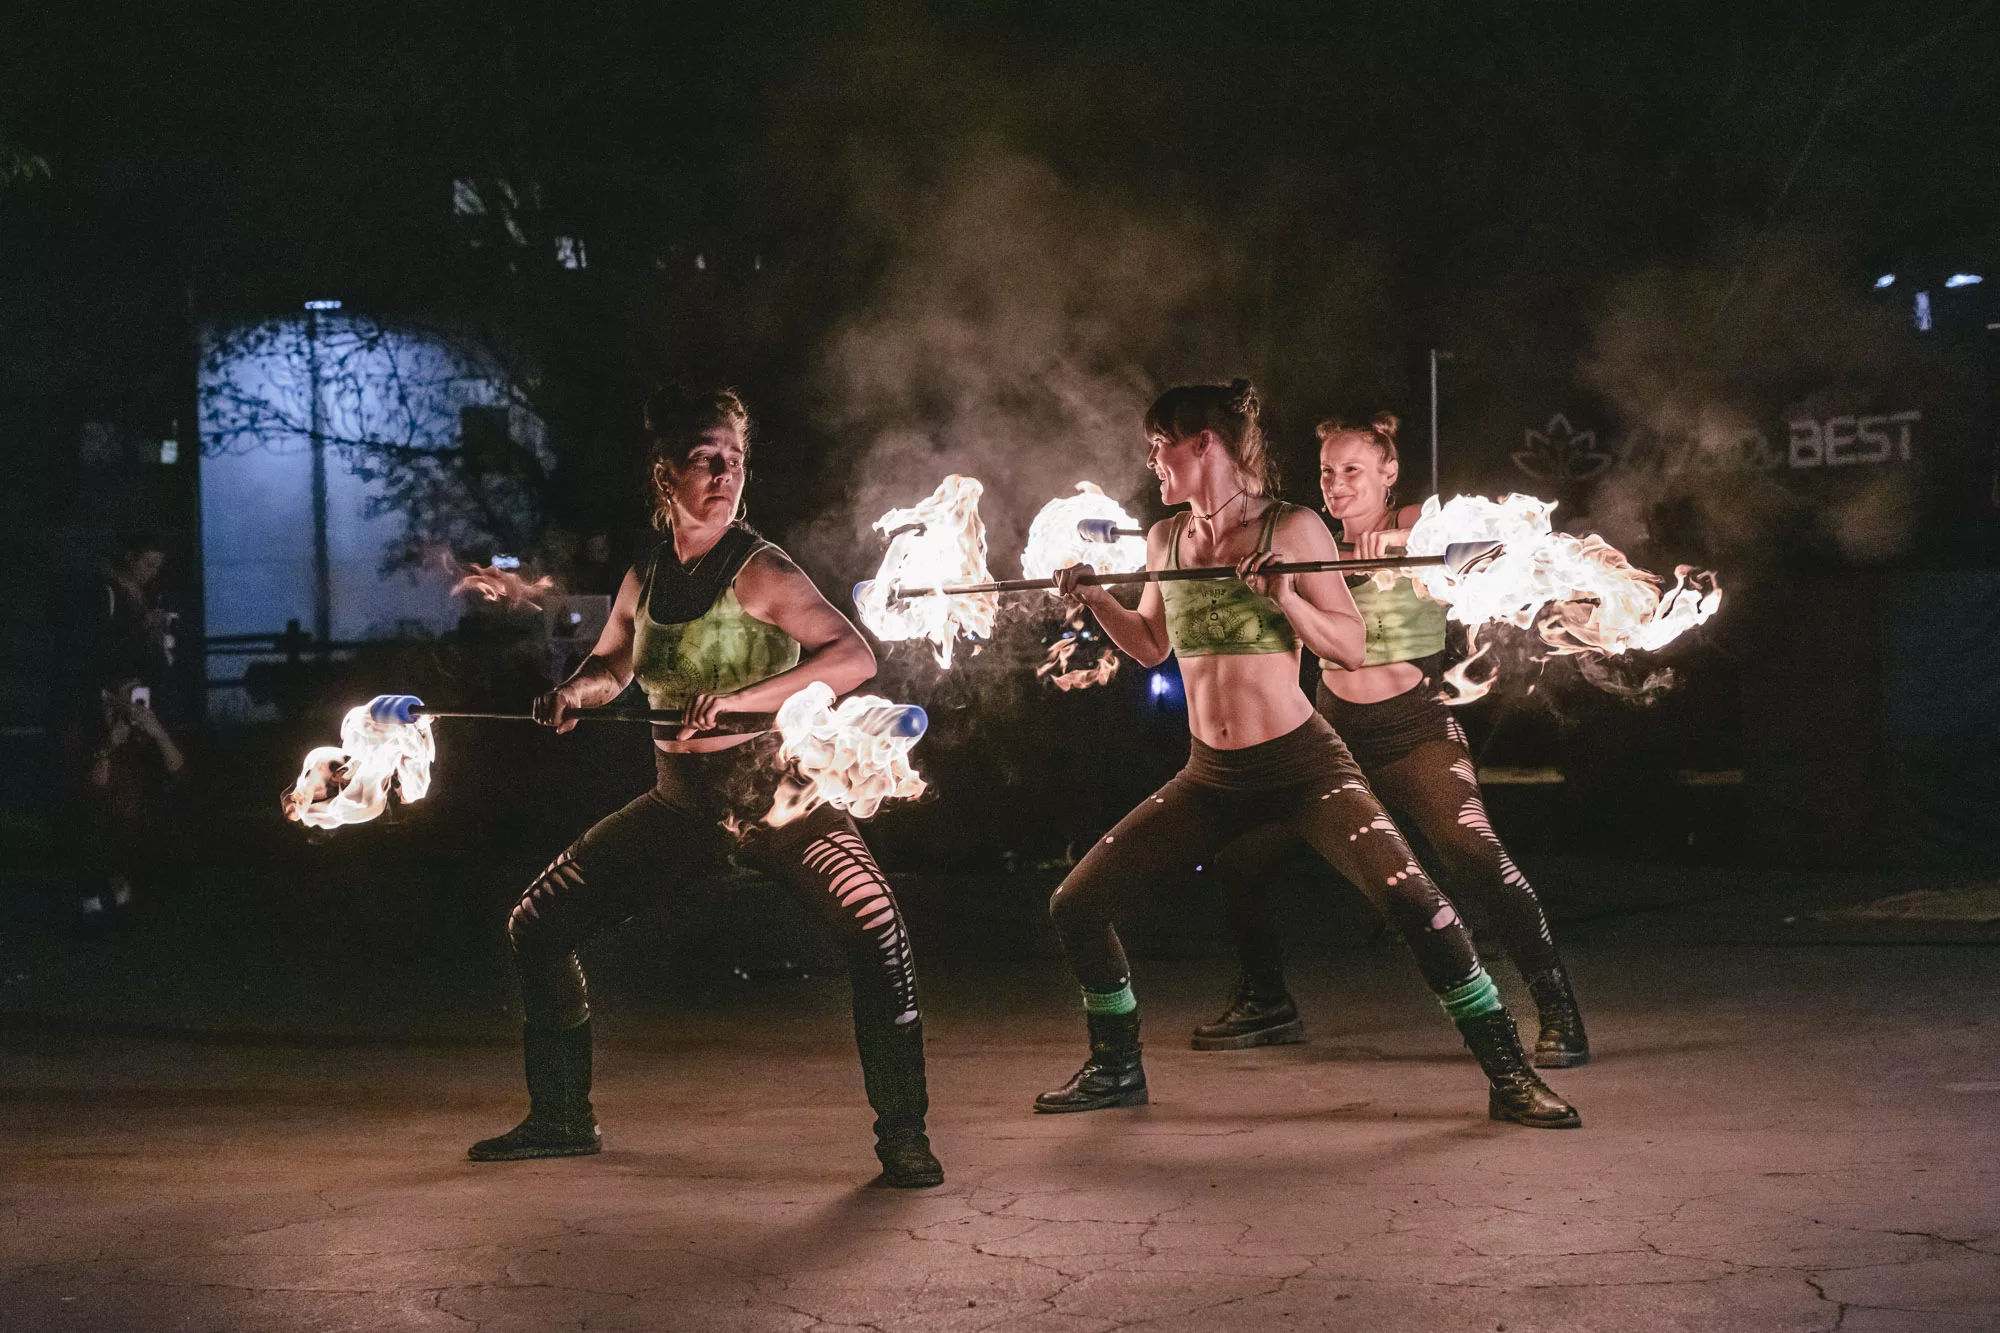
{"x": 1699, "y": 360}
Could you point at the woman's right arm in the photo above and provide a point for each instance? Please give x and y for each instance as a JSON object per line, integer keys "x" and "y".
{"x": 604, "y": 674}
{"x": 1140, "y": 633}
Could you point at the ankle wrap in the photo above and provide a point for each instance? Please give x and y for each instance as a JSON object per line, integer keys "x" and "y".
{"x": 1120, "y": 1001}
{"x": 1472, "y": 997}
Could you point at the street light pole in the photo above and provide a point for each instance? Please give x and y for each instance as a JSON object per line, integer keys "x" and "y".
{"x": 322, "y": 559}
{"x": 1436, "y": 356}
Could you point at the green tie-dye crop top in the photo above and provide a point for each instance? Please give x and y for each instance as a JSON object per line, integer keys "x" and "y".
{"x": 690, "y": 634}
{"x": 1209, "y": 617}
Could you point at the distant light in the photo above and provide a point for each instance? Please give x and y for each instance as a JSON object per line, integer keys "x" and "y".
{"x": 322, "y": 305}
{"x": 1162, "y": 686}
{"x": 1197, "y": 870}
{"x": 1886, "y": 280}
{"x": 170, "y": 451}
{"x": 570, "y": 253}
{"x": 1923, "y": 312}
{"x": 506, "y": 562}
{"x": 1963, "y": 280}
{"x": 701, "y": 263}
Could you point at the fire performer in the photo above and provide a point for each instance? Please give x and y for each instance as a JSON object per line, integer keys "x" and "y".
{"x": 1260, "y": 755}
{"x": 1414, "y": 755}
{"x": 716, "y": 621}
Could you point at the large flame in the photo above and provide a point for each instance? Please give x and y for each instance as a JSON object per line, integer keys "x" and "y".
{"x": 1053, "y": 542}
{"x": 1580, "y": 594}
{"x": 350, "y": 783}
{"x": 853, "y": 757}
{"x": 940, "y": 541}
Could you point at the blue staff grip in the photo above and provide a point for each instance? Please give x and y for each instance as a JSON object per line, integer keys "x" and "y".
{"x": 394, "y": 708}
{"x": 1097, "y": 529}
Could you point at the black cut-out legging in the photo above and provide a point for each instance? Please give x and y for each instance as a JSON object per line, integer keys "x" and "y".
{"x": 1413, "y": 753}
{"x": 1302, "y": 785}
{"x": 636, "y": 858}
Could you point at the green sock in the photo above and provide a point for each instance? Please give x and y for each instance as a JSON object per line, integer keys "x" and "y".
{"x": 1472, "y": 997}
{"x": 1120, "y": 1001}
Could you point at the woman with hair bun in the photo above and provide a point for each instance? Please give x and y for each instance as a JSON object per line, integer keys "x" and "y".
{"x": 716, "y": 621}
{"x": 1259, "y": 756}
{"x": 1414, "y": 755}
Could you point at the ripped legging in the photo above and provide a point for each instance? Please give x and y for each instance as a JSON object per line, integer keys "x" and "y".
{"x": 1414, "y": 755}
{"x": 633, "y": 859}
{"x": 1303, "y": 784}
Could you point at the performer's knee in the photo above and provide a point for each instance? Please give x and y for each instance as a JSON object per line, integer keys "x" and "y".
{"x": 535, "y": 926}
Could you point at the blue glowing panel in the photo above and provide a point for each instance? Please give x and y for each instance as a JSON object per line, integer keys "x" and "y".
{"x": 256, "y": 472}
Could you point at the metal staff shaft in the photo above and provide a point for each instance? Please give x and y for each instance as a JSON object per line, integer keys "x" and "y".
{"x": 661, "y": 716}
{"x": 1183, "y": 575}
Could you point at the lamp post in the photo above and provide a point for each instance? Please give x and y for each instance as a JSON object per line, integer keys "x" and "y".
{"x": 1436, "y": 356}
{"x": 322, "y": 560}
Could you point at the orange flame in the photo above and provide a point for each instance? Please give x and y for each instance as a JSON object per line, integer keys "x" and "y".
{"x": 1056, "y": 668}
{"x": 350, "y": 783}
{"x": 940, "y": 541}
{"x": 501, "y": 585}
{"x": 853, "y": 757}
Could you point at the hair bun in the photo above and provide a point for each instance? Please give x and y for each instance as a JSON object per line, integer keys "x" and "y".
{"x": 1385, "y": 423}
{"x": 1243, "y": 397}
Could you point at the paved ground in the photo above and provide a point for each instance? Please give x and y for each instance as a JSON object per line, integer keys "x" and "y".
{"x": 1797, "y": 1138}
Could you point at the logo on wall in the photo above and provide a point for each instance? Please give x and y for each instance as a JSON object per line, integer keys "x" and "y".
{"x": 1560, "y": 452}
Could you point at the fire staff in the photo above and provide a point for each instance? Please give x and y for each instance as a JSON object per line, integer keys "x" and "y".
{"x": 1413, "y": 753}
{"x": 1259, "y": 755}
{"x": 716, "y": 621}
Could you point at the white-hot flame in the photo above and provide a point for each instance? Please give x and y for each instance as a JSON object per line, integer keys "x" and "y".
{"x": 1053, "y": 541}
{"x": 1579, "y": 594}
{"x": 940, "y": 541}
{"x": 853, "y": 757}
{"x": 350, "y": 783}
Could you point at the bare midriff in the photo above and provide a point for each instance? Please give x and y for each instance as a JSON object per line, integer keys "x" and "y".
{"x": 1372, "y": 684}
{"x": 1237, "y": 700}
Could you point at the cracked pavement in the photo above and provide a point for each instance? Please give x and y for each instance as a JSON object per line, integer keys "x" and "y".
{"x": 1775, "y": 1139}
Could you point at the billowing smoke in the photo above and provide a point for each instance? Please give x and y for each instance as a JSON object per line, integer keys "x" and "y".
{"x": 1013, "y": 335}
{"x": 1015, "y": 331}
{"x": 1700, "y": 361}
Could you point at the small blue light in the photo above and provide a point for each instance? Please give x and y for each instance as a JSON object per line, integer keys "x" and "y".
{"x": 1923, "y": 312}
{"x": 1886, "y": 280}
{"x": 506, "y": 562}
{"x": 322, "y": 305}
{"x": 1198, "y": 869}
{"x": 1963, "y": 280}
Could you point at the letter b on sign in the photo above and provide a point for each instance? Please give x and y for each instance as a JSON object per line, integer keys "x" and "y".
{"x": 1808, "y": 445}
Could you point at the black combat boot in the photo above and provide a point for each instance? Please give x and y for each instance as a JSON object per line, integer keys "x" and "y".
{"x": 1562, "y": 1043}
{"x": 560, "y": 1122}
{"x": 892, "y": 1067}
{"x": 1112, "y": 1076}
{"x": 1516, "y": 1092}
{"x": 1260, "y": 1013}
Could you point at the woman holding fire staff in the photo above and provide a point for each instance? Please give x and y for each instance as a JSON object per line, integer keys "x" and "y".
{"x": 1413, "y": 753}
{"x": 717, "y": 621}
{"x": 1260, "y": 754}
